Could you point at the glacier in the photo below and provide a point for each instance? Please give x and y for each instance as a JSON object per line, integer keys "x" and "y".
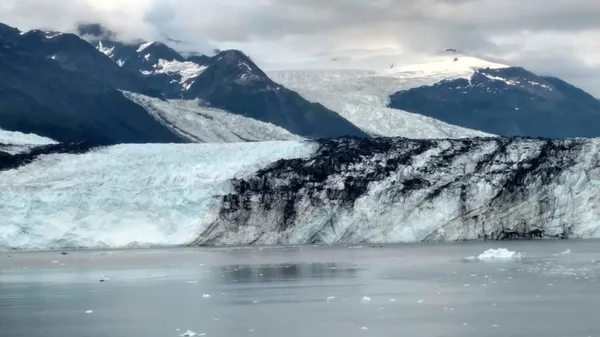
{"x": 200, "y": 124}
{"x": 126, "y": 195}
{"x": 349, "y": 190}
{"x": 363, "y": 96}
{"x": 393, "y": 190}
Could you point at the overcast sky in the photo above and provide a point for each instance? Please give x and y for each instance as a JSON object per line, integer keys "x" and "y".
{"x": 550, "y": 37}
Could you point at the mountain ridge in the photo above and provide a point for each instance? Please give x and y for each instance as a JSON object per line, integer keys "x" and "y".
{"x": 229, "y": 80}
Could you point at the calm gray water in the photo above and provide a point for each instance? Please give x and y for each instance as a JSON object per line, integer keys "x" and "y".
{"x": 414, "y": 290}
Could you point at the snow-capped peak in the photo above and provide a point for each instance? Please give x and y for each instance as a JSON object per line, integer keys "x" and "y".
{"x": 454, "y": 64}
{"x": 144, "y": 46}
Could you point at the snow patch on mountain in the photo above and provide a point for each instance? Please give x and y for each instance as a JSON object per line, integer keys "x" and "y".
{"x": 453, "y": 66}
{"x": 144, "y": 46}
{"x": 186, "y": 70}
{"x": 202, "y": 124}
{"x": 51, "y": 35}
{"x": 126, "y": 195}
{"x": 105, "y": 50}
{"x": 501, "y": 79}
{"x": 362, "y": 97}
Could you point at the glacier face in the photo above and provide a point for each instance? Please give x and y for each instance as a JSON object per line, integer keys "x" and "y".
{"x": 349, "y": 190}
{"x": 401, "y": 190}
{"x": 148, "y": 194}
{"x": 199, "y": 124}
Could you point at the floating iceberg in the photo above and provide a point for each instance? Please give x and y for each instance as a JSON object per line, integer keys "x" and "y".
{"x": 499, "y": 254}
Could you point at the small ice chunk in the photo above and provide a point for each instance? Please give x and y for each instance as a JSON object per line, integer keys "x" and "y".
{"x": 192, "y": 282}
{"x": 566, "y": 252}
{"x": 470, "y": 258}
{"x": 206, "y": 296}
{"x": 330, "y": 298}
{"x": 392, "y": 300}
{"x": 366, "y": 299}
{"x": 364, "y": 328}
{"x": 465, "y": 324}
{"x": 499, "y": 254}
{"x": 251, "y": 330}
{"x": 54, "y": 261}
{"x": 190, "y": 333}
{"x": 89, "y": 311}
{"x": 420, "y": 301}
{"x": 255, "y": 301}
{"x": 495, "y": 325}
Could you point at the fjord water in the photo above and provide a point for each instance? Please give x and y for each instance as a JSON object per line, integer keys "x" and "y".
{"x": 408, "y": 290}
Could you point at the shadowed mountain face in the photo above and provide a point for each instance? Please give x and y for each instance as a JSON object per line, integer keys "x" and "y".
{"x": 40, "y": 95}
{"x": 507, "y": 102}
{"x": 228, "y": 80}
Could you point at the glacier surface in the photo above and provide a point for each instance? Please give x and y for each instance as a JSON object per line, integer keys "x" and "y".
{"x": 189, "y": 119}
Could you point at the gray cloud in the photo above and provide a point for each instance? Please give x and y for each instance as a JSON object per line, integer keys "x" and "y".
{"x": 550, "y": 36}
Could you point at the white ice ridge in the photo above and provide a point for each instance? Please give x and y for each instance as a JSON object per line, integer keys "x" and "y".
{"x": 16, "y": 142}
{"x": 499, "y": 254}
{"x": 208, "y": 125}
{"x": 362, "y": 97}
{"x": 19, "y": 138}
{"x": 126, "y": 195}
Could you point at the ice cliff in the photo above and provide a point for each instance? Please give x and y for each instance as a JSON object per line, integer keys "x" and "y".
{"x": 385, "y": 190}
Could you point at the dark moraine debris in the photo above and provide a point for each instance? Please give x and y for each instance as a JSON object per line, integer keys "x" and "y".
{"x": 13, "y": 161}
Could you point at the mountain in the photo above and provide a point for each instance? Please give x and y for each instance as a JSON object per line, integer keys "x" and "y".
{"x": 75, "y": 54}
{"x": 40, "y": 95}
{"x": 229, "y": 81}
{"x": 344, "y": 191}
{"x": 506, "y": 101}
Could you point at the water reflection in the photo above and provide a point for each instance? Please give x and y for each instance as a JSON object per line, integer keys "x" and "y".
{"x": 289, "y": 272}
